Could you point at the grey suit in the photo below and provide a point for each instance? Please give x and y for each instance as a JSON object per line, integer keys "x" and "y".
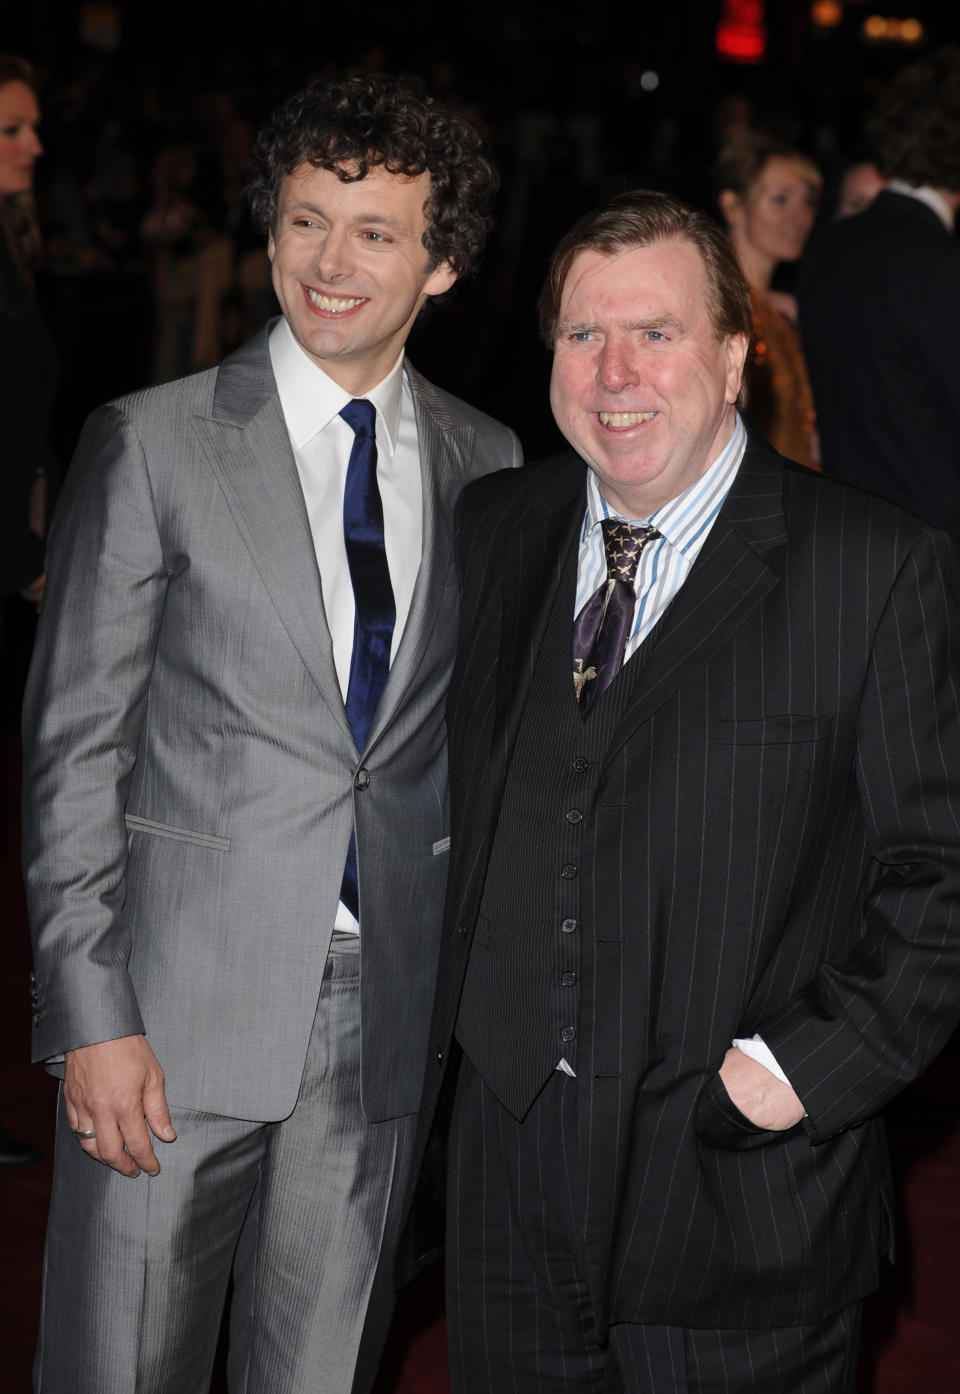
{"x": 191, "y": 778}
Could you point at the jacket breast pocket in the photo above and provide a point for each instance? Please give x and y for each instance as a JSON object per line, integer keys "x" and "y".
{"x": 786, "y": 728}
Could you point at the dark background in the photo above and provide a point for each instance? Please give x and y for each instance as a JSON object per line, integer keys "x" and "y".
{"x": 577, "y": 103}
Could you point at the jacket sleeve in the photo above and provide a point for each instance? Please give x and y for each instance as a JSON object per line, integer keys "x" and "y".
{"x": 867, "y": 1025}
{"x": 83, "y": 713}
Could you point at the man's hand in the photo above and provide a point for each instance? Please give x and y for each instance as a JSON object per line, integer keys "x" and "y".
{"x": 759, "y": 1095}
{"x": 116, "y": 1088}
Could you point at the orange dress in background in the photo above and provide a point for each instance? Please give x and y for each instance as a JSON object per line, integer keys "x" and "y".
{"x": 780, "y": 401}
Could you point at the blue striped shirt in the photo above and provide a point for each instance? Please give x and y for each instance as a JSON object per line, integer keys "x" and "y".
{"x": 685, "y": 523}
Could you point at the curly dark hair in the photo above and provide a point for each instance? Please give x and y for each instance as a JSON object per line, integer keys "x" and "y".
{"x": 914, "y": 129}
{"x": 352, "y": 125}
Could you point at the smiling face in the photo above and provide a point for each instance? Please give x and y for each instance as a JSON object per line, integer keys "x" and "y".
{"x": 642, "y": 388}
{"x": 350, "y": 269}
{"x": 775, "y": 217}
{"x": 19, "y": 143}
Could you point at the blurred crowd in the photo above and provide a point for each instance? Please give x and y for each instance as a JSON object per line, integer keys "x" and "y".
{"x": 135, "y": 259}
{"x": 150, "y": 266}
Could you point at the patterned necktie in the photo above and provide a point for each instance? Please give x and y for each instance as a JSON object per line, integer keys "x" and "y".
{"x": 373, "y": 594}
{"x": 601, "y": 628}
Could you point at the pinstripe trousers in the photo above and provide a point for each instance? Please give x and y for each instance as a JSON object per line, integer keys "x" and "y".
{"x": 299, "y": 1212}
{"x": 519, "y": 1315}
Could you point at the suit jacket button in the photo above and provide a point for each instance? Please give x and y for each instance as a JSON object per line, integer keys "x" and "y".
{"x": 568, "y": 871}
{"x": 568, "y": 1033}
{"x": 361, "y": 779}
{"x": 463, "y": 930}
{"x": 580, "y": 764}
{"x": 574, "y": 816}
{"x": 568, "y": 979}
{"x": 439, "y": 1057}
{"x": 568, "y": 926}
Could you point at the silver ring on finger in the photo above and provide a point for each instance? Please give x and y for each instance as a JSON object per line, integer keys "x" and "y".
{"x": 84, "y": 1132}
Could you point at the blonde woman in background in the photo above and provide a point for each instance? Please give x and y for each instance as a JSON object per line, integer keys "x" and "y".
{"x": 768, "y": 193}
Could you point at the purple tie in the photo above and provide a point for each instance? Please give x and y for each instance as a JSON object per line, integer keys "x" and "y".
{"x": 601, "y": 628}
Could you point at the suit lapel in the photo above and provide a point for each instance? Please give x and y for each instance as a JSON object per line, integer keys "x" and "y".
{"x": 729, "y": 579}
{"x": 531, "y": 561}
{"x": 534, "y": 554}
{"x": 534, "y": 559}
{"x": 733, "y": 573}
{"x": 445, "y": 454}
{"x": 247, "y": 444}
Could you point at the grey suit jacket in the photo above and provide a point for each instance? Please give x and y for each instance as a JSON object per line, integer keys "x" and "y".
{"x": 190, "y": 776}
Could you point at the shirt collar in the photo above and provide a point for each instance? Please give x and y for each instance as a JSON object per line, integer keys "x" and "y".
{"x": 310, "y": 399}
{"x": 925, "y": 194}
{"x": 681, "y": 520}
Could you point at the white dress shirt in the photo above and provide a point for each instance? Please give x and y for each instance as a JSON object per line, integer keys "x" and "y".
{"x": 321, "y": 441}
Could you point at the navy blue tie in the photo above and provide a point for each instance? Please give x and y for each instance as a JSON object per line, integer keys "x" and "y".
{"x": 373, "y": 595}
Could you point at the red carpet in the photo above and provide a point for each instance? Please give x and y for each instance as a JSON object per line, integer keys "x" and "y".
{"x": 912, "y": 1328}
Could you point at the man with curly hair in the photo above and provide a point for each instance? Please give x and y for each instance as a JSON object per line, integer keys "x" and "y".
{"x": 236, "y": 829}
{"x": 879, "y": 301}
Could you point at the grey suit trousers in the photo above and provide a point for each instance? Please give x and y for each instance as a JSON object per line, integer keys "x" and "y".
{"x": 297, "y": 1211}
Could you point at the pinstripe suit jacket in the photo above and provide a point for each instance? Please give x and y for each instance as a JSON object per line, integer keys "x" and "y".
{"x": 191, "y": 780}
{"x": 774, "y": 847}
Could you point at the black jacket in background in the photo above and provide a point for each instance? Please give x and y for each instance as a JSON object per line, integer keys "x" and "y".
{"x": 879, "y": 301}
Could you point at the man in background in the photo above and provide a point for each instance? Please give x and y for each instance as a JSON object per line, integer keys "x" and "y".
{"x": 235, "y": 826}
{"x": 879, "y": 298}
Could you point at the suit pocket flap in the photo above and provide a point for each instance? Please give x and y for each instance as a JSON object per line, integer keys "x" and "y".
{"x": 147, "y": 825}
{"x": 773, "y": 730}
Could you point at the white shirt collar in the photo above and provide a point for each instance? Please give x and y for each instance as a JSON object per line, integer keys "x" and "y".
{"x": 310, "y": 399}
{"x": 926, "y": 195}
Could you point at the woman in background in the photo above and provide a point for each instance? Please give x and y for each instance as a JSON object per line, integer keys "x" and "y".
{"x": 768, "y": 193}
{"x": 27, "y": 361}
{"x": 27, "y": 380}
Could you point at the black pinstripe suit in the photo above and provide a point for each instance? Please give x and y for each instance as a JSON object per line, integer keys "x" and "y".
{"x": 773, "y": 846}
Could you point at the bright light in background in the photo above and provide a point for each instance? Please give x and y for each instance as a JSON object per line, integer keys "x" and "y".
{"x": 826, "y": 14}
{"x": 742, "y": 31}
{"x": 649, "y": 80}
{"x": 887, "y": 29}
